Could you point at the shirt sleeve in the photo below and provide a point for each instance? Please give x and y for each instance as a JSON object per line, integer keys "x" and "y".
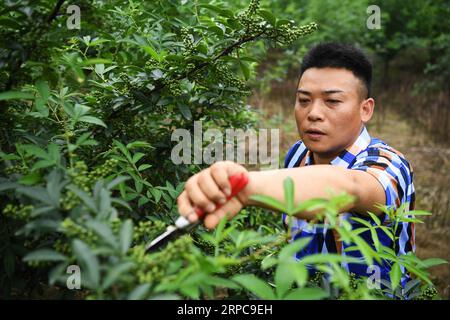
{"x": 392, "y": 171}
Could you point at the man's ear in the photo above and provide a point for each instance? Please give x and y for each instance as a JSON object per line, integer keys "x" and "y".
{"x": 366, "y": 109}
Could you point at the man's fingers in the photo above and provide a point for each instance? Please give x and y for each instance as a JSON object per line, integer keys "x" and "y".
{"x": 220, "y": 176}
{"x": 230, "y": 209}
{"x": 210, "y": 188}
{"x": 185, "y": 207}
{"x": 197, "y": 197}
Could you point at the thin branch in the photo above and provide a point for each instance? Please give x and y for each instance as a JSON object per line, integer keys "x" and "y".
{"x": 55, "y": 11}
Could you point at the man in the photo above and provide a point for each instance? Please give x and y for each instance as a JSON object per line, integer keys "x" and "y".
{"x": 335, "y": 151}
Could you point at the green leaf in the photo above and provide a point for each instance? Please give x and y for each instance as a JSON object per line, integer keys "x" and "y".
{"x": 142, "y": 167}
{"x": 395, "y": 275}
{"x": 41, "y": 108}
{"x": 156, "y": 194}
{"x": 419, "y": 273}
{"x": 329, "y": 258}
{"x": 116, "y": 181}
{"x": 13, "y": 95}
{"x": 362, "y": 221}
{"x": 269, "y": 201}
{"x": 306, "y": 294}
{"x": 8, "y": 185}
{"x": 44, "y": 255}
{"x": 98, "y": 41}
{"x": 284, "y": 278}
{"x": 30, "y": 179}
{"x": 53, "y": 152}
{"x": 87, "y": 200}
{"x": 139, "y": 292}
{"x": 126, "y": 236}
{"x": 268, "y": 262}
{"x": 138, "y": 144}
{"x": 36, "y": 151}
{"x": 288, "y": 252}
{"x": 57, "y": 272}
{"x": 137, "y": 156}
{"x": 84, "y": 140}
{"x": 42, "y": 164}
{"x": 374, "y": 218}
{"x": 376, "y": 241}
{"x": 266, "y": 14}
{"x": 88, "y": 262}
{"x": 300, "y": 273}
{"x": 428, "y": 263}
{"x": 221, "y": 282}
{"x": 38, "y": 193}
{"x": 43, "y": 89}
{"x": 152, "y": 52}
{"x": 142, "y": 200}
{"x": 185, "y": 110}
{"x": 419, "y": 213}
{"x": 92, "y": 61}
{"x": 115, "y": 272}
{"x": 104, "y": 231}
{"x": 9, "y": 22}
{"x": 288, "y": 185}
{"x": 217, "y": 30}
{"x": 310, "y": 205}
{"x": 93, "y": 120}
{"x": 255, "y": 285}
{"x": 192, "y": 291}
{"x": 281, "y": 22}
{"x": 245, "y": 69}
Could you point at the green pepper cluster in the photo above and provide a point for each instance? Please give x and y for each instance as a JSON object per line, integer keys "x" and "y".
{"x": 19, "y": 212}
{"x": 153, "y": 267}
{"x": 18, "y": 168}
{"x": 147, "y": 230}
{"x": 428, "y": 293}
{"x": 74, "y": 230}
{"x": 188, "y": 41}
{"x": 173, "y": 87}
{"x": 224, "y": 75}
{"x": 316, "y": 278}
{"x": 256, "y": 25}
{"x": 205, "y": 246}
{"x": 84, "y": 180}
{"x": 151, "y": 64}
{"x": 287, "y": 33}
{"x": 62, "y": 245}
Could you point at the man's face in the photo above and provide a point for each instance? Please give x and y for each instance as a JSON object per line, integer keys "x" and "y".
{"x": 329, "y": 110}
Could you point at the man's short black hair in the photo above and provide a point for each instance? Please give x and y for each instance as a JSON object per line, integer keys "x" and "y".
{"x": 340, "y": 55}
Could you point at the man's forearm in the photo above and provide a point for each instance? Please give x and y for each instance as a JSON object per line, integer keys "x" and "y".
{"x": 310, "y": 182}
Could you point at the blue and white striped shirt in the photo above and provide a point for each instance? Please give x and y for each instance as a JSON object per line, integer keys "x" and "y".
{"x": 393, "y": 172}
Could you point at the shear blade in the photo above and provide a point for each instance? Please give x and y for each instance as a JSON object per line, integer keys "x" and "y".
{"x": 163, "y": 239}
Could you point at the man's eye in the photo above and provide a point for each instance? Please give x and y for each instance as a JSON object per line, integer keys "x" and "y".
{"x": 333, "y": 101}
{"x": 303, "y": 101}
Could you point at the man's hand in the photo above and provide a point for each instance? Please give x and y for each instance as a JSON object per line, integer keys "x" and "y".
{"x": 210, "y": 187}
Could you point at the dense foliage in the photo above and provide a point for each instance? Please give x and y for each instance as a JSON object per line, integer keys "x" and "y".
{"x": 86, "y": 177}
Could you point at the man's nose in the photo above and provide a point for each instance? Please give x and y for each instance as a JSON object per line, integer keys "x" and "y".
{"x": 316, "y": 111}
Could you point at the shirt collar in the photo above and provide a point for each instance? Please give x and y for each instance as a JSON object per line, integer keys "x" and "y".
{"x": 347, "y": 156}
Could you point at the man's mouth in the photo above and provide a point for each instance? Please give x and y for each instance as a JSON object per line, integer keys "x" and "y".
{"x": 314, "y": 134}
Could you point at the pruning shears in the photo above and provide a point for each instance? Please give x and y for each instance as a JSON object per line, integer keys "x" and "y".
{"x": 183, "y": 225}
